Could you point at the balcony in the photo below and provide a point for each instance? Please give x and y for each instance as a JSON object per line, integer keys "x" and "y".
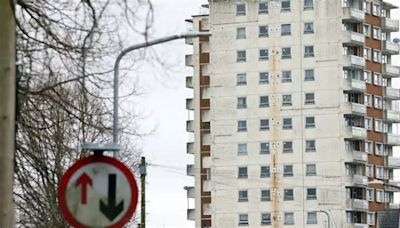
{"x": 190, "y": 192}
{"x": 355, "y": 133}
{"x": 207, "y": 186}
{"x": 358, "y": 180}
{"x": 189, "y": 104}
{"x": 392, "y": 139}
{"x": 355, "y": 109}
{"x": 393, "y": 162}
{"x": 189, "y": 82}
{"x": 390, "y": 93}
{"x": 190, "y": 170}
{"x": 353, "y": 61}
{"x": 189, "y": 40}
{"x": 392, "y": 116}
{"x": 356, "y": 225}
{"x": 357, "y": 204}
{"x": 390, "y": 71}
{"x": 189, "y": 60}
{"x": 190, "y": 147}
{"x": 395, "y": 206}
{"x": 351, "y": 38}
{"x": 355, "y": 85}
{"x": 390, "y": 48}
{"x": 390, "y": 25}
{"x": 190, "y": 126}
{"x": 191, "y": 215}
{"x": 354, "y": 15}
{"x": 358, "y": 157}
{"x": 392, "y": 186}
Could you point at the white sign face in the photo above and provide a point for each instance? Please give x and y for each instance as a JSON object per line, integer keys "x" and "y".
{"x": 98, "y": 193}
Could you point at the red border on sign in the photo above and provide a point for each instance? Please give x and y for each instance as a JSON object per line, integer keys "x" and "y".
{"x": 97, "y": 159}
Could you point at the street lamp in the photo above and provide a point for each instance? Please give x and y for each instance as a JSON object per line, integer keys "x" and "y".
{"x": 327, "y": 215}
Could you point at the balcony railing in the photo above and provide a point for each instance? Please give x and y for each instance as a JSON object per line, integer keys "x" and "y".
{"x": 355, "y": 132}
{"x": 354, "y": 108}
{"x": 190, "y": 147}
{"x": 190, "y": 126}
{"x": 355, "y": 85}
{"x": 189, "y": 60}
{"x": 353, "y": 15}
{"x": 394, "y": 162}
{"x": 190, "y": 170}
{"x": 360, "y": 157}
{"x": 189, "y": 104}
{"x": 358, "y": 180}
{"x": 357, "y": 204}
{"x": 392, "y": 116}
{"x": 351, "y": 38}
{"x": 392, "y": 139}
{"x": 189, "y": 82}
{"x": 353, "y": 61}
{"x": 190, "y": 192}
{"x": 191, "y": 214}
{"x": 390, "y": 71}
{"x": 390, "y": 48}
{"x": 207, "y": 186}
{"x": 391, "y": 93}
{"x": 356, "y": 225}
{"x": 389, "y": 24}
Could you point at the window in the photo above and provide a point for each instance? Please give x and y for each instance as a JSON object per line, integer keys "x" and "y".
{"x": 377, "y": 56}
{"x": 311, "y": 193}
{"x": 285, "y": 5}
{"x": 286, "y": 30}
{"x": 376, "y": 33}
{"x": 310, "y": 122}
{"x": 368, "y": 147}
{"x": 241, "y": 79}
{"x": 309, "y": 51}
{"x": 241, "y": 56}
{"x": 379, "y": 149}
{"x": 379, "y": 196}
{"x": 367, "y": 30}
{"x": 264, "y": 148}
{"x": 263, "y": 78}
{"x": 309, "y": 75}
{"x": 286, "y": 53}
{"x": 242, "y": 125}
{"x": 265, "y": 195}
{"x": 264, "y": 101}
{"x": 265, "y": 171}
{"x": 264, "y": 124}
{"x": 287, "y": 100}
{"x": 288, "y": 218}
{"x": 366, "y": 6}
{"x": 371, "y": 218}
{"x": 378, "y": 172}
{"x": 308, "y": 4}
{"x": 367, "y": 53}
{"x": 369, "y": 171}
{"x": 242, "y": 149}
{"x": 312, "y": 218}
{"x": 243, "y": 196}
{"x": 263, "y": 8}
{"x": 376, "y": 10}
{"x": 286, "y": 76}
{"x": 265, "y": 219}
{"x": 241, "y": 102}
{"x": 241, "y": 9}
{"x": 263, "y": 54}
{"x": 308, "y": 27}
{"x": 287, "y": 147}
{"x": 288, "y": 194}
{"x": 310, "y": 146}
{"x": 263, "y": 31}
{"x": 370, "y": 194}
{"x": 288, "y": 170}
{"x": 368, "y": 76}
{"x": 378, "y": 125}
{"x": 242, "y": 172}
{"x": 311, "y": 170}
{"x": 367, "y": 100}
{"x": 287, "y": 123}
{"x": 378, "y": 102}
{"x": 368, "y": 123}
{"x": 241, "y": 33}
{"x": 377, "y": 79}
{"x": 309, "y": 98}
{"x": 243, "y": 219}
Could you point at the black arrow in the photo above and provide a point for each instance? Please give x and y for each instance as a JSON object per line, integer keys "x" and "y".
{"x": 111, "y": 210}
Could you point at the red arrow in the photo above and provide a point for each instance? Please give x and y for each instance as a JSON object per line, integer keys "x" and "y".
{"x": 84, "y": 180}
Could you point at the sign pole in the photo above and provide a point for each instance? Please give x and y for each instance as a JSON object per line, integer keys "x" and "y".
{"x": 143, "y": 193}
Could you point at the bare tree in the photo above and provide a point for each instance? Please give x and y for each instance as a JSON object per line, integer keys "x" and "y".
{"x": 64, "y": 50}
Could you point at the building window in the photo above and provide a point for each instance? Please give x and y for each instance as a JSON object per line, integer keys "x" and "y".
{"x": 242, "y": 125}
{"x": 242, "y": 149}
{"x": 308, "y": 27}
{"x": 378, "y": 149}
{"x": 264, "y": 101}
{"x": 243, "y": 196}
{"x": 308, "y": 4}
{"x": 367, "y": 53}
{"x": 265, "y": 195}
{"x": 241, "y": 102}
{"x": 367, "y": 30}
{"x": 288, "y": 218}
{"x": 371, "y": 218}
{"x": 263, "y": 78}
{"x": 309, "y": 51}
{"x": 309, "y": 75}
{"x": 377, "y": 56}
{"x": 243, "y": 219}
{"x": 377, "y": 79}
{"x": 265, "y": 219}
{"x": 242, "y": 172}
{"x": 310, "y": 146}
{"x": 367, "y": 100}
{"x": 241, "y": 56}
{"x": 241, "y": 79}
{"x": 263, "y": 8}
{"x": 379, "y": 196}
{"x": 240, "y": 9}
{"x": 368, "y": 147}
{"x": 378, "y": 172}
{"x": 366, "y": 6}
{"x": 263, "y": 54}
{"x": 286, "y": 76}
{"x": 378, "y": 125}
{"x": 287, "y": 100}
{"x": 309, "y": 99}
{"x": 263, "y": 31}
{"x": 369, "y": 171}
{"x": 311, "y": 193}
{"x": 287, "y": 147}
{"x": 376, "y": 10}
{"x": 378, "y": 102}
{"x": 368, "y": 76}
{"x": 286, "y": 53}
{"x": 310, "y": 122}
{"x": 241, "y": 33}
{"x": 264, "y": 124}
{"x": 285, "y": 5}
{"x": 368, "y": 123}
{"x": 311, "y": 170}
{"x": 288, "y": 170}
{"x": 370, "y": 194}
{"x": 264, "y": 148}
{"x": 287, "y": 123}
{"x": 312, "y": 218}
{"x": 376, "y": 33}
{"x": 286, "y": 30}
{"x": 265, "y": 171}
{"x": 288, "y": 194}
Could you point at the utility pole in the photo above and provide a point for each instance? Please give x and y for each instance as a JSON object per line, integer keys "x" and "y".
{"x": 7, "y": 111}
{"x": 143, "y": 173}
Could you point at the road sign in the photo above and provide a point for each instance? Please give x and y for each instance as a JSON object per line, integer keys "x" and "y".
{"x": 98, "y": 191}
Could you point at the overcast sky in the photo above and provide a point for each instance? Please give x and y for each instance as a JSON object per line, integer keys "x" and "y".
{"x": 164, "y": 99}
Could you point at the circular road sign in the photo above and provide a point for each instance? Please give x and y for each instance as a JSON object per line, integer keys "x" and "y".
{"x": 98, "y": 191}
